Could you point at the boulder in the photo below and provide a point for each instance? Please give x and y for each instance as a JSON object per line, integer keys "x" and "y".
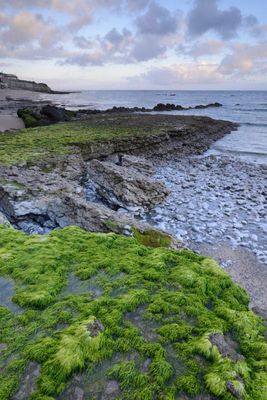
{"x": 55, "y": 114}
{"x": 121, "y": 186}
{"x": 32, "y": 117}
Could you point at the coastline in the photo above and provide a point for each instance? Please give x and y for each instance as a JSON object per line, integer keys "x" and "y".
{"x": 8, "y": 120}
{"x": 10, "y": 102}
{"x": 85, "y": 270}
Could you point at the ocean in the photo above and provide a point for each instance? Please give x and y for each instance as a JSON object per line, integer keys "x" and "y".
{"x": 247, "y": 108}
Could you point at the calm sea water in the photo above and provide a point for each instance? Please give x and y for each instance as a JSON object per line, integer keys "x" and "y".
{"x": 248, "y": 108}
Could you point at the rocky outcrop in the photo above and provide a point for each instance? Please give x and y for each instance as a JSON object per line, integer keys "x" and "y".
{"x": 158, "y": 108}
{"x": 124, "y": 186}
{"x": 183, "y": 135}
{"x": 103, "y": 185}
{"x": 173, "y": 107}
{"x": 51, "y": 195}
{"x": 48, "y": 114}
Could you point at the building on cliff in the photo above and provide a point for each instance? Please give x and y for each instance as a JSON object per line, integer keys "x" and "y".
{"x": 10, "y": 81}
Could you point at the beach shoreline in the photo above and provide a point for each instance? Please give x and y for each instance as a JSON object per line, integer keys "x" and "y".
{"x": 251, "y": 280}
{"x": 10, "y": 101}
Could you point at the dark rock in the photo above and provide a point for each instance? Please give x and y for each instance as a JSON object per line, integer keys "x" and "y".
{"x": 32, "y": 118}
{"x": 111, "y": 390}
{"x": 55, "y": 114}
{"x": 233, "y": 390}
{"x": 28, "y": 383}
{"x": 95, "y": 328}
{"x": 124, "y": 186}
{"x": 201, "y": 106}
{"x": 226, "y": 346}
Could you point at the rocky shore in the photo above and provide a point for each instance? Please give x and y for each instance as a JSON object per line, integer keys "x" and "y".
{"x": 104, "y": 185}
{"x": 45, "y": 184}
{"x": 44, "y": 113}
{"x": 87, "y": 313}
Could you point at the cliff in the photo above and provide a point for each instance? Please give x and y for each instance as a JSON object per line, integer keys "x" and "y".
{"x": 8, "y": 81}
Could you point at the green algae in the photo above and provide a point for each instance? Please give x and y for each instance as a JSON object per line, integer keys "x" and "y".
{"x": 60, "y": 139}
{"x": 158, "y": 308}
{"x": 152, "y": 238}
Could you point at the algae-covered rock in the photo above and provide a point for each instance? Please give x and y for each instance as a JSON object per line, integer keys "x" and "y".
{"x": 32, "y": 118}
{"x": 164, "y": 324}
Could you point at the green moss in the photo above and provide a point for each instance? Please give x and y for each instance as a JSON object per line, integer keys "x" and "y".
{"x": 152, "y": 238}
{"x": 111, "y": 226}
{"x": 15, "y": 184}
{"x": 30, "y": 118}
{"x": 157, "y": 308}
{"x": 60, "y": 139}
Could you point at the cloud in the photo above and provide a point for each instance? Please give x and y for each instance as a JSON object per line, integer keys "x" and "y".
{"x": 114, "y": 47}
{"x": 206, "y": 16}
{"x": 84, "y": 59}
{"x": 203, "y": 48}
{"x": 157, "y": 21}
{"x": 26, "y": 32}
{"x": 244, "y": 60}
{"x": 179, "y": 75}
{"x": 147, "y": 48}
{"x": 117, "y": 47}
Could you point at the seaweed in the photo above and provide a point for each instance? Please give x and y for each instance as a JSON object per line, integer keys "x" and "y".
{"x": 150, "y": 328}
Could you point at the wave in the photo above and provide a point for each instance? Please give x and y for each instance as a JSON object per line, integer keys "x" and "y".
{"x": 252, "y": 109}
{"x": 239, "y": 151}
{"x": 253, "y": 124}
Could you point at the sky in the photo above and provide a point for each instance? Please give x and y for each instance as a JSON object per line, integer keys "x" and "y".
{"x": 136, "y": 44}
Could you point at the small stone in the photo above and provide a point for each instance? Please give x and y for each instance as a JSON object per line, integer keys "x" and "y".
{"x": 112, "y": 388}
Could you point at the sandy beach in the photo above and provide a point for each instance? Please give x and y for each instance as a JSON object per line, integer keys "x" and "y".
{"x": 10, "y": 101}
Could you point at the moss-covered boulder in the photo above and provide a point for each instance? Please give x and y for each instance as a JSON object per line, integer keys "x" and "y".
{"x": 103, "y": 316}
{"x": 32, "y": 118}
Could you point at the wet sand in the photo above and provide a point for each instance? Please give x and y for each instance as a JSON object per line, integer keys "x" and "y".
{"x": 10, "y": 101}
{"x": 245, "y": 270}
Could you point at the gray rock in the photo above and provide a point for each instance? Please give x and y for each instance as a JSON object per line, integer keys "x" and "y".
{"x": 125, "y": 186}
{"x": 28, "y": 382}
{"x": 138, "y": 164}
{"x": 4, "y": 220}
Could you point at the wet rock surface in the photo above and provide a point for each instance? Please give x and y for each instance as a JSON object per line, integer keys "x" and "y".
{"x": 7, "y": 291}
{"x": 226, "y": 346}
{"x": 28, "y": 383}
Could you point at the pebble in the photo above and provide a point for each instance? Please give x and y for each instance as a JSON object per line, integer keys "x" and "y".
{"x": 223, "y": 204}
